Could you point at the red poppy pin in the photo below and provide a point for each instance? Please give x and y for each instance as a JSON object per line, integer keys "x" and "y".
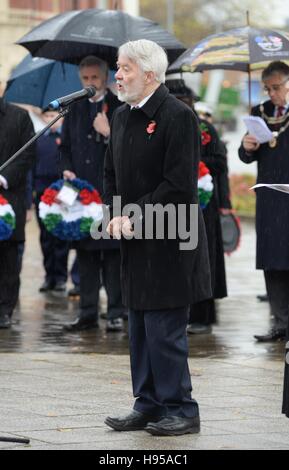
{"x": 152, "y": 125}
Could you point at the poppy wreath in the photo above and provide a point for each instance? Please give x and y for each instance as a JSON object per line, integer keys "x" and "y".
{"x": 205, "y": 185}
{"x": 7, "y": 219}
{"x": 71, "y": 223}
{"x": 205, "y": 134}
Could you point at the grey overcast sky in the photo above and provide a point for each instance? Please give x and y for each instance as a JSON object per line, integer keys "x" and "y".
{"x": 281, "y": 12}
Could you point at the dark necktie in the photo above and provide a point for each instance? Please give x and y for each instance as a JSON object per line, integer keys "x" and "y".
{"x": 280, "y": 111}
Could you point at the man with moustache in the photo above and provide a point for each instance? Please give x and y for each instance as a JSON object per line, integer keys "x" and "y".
{"x": 153, "y": 158}
{"x": 85, "y": 136}
{"x": 272, "y": 219}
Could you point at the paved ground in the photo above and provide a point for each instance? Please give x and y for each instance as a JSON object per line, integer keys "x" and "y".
{"x": 56, "y": 388}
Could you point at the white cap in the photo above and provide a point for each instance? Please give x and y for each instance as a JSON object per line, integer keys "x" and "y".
{"x": 202, "y": 107}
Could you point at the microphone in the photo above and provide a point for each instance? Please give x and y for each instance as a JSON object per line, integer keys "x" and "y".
{"x": 87, "y": 92}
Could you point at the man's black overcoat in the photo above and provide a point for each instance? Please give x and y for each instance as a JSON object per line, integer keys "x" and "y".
{"x": 16, "y": 129}
{"x": 161, "y": 167}
{"x": 272, "y": 209}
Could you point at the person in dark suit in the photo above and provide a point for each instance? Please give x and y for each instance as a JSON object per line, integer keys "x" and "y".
{"x": 16, "y": 129}
{"x": 203, "y": 314}
{"x": 54, "y": 251}
{"x": 272, "y": 219}
{"x": 85, "y": 136}
{"x": 152, "y": 161}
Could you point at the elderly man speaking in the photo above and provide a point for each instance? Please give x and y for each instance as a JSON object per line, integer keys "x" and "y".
{"x": 152, "y": 159}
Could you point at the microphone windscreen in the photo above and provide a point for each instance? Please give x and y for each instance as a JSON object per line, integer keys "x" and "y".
{"x": 91, "y": 91}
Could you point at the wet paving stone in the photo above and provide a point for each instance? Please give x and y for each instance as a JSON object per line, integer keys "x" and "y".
{"x": 56, "y": 387}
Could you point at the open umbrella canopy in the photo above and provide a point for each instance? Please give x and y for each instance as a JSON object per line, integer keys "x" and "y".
{"x": 39, "y": 81}
{"x": 72, "y": 35}
{"x": 242, "y": 49}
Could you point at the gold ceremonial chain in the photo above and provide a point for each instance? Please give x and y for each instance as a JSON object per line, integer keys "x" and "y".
{"x": 275, "y": 121}
{"x": 272, "y": 119}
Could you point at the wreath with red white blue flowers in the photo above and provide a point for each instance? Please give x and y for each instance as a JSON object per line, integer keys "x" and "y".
{"x": 7, "y": 219}
{"x": 71, "y": 223}
{"x": 205, "y": 185}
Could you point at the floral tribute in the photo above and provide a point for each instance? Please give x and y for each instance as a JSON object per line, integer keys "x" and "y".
{"x": 71, "y": 223}
{"x": 205, "y": 185}
{"x": 7, "y": 219}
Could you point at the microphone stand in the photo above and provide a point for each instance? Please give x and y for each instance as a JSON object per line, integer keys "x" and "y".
{"x": 63, "y": 112}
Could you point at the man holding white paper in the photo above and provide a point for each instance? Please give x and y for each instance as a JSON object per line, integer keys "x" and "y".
{"x": 272, "y": 210}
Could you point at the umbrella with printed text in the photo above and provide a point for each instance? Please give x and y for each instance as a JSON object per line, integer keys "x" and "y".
{"x": 245, "y": 49}
{"x": 75, "y": 34}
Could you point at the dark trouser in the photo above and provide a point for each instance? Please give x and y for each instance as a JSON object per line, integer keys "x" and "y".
{"x": 9, "y": 277}
{"x": 91, "y": 265}
{"x": 159, "y": 363}
{"x": 75, "y": 273}
{"x": 277, "y": 283}
{"x": 285, "y": 406}
{"x": 21, "y": 249}
{"x": 203, "y": 312}
{"x": 55, "y": 254}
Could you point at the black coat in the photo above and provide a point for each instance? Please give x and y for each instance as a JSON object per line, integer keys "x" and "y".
{"x": 16, "y": 129}
{"x": 46, "y": 169}
{"x": 272, "y": 209}
{"x": 156, "y": 168}
{"x": 213, "y": 155}
{"x": 84, "y": 155}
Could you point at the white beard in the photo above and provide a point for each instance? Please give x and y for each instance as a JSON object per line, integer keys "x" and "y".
{"x": 132, "y": 97}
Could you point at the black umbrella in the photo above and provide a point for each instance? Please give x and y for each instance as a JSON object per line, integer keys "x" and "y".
{"x": 72, "y": 35}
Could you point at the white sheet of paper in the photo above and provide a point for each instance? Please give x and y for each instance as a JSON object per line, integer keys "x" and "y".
{"x": 257, "y": 127}
{"x": 284, "y": 188}
{"x": 67, "y": 195}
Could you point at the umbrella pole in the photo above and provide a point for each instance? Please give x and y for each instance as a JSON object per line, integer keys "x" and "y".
{"x": 62, "y": 113}
{"x": 249, "y": 69}
{"x": 249, "y": 90}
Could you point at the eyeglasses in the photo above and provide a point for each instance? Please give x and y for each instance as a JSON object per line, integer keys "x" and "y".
{"x": 275, "y": 88}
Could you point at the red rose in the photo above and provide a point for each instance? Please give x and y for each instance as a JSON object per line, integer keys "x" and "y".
{"x": 151, "y": 127}
{"x": 3, "y": 201}
{"x": 88, "y": 197}
{"x": 203, "y": 169}
{"x": 206, "y": 138}
{"x": 49, "y": 196}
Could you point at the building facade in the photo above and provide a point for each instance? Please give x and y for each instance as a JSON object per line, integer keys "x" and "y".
{"x": 17, "y": 17}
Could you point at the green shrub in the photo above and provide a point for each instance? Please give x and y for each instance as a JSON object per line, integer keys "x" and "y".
{"x": 243, "y": 199}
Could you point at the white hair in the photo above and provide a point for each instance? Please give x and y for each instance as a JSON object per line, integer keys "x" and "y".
{"x": 148, "y": 55}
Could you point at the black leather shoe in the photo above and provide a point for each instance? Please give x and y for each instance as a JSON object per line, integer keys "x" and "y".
{"x": 74, "y": 292}
{"x": 46, "y": 286}
{"x": 135, "y": 421}
{"x": 81, "y": 323}
{"x": 273, "y": 335}
{"x": 199, "y": 329}
{"x": 114, "y": 325}
{"x": 59, "y": 287}
{"x": 5, "y": 322}
{"x": 174, "y": 426}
